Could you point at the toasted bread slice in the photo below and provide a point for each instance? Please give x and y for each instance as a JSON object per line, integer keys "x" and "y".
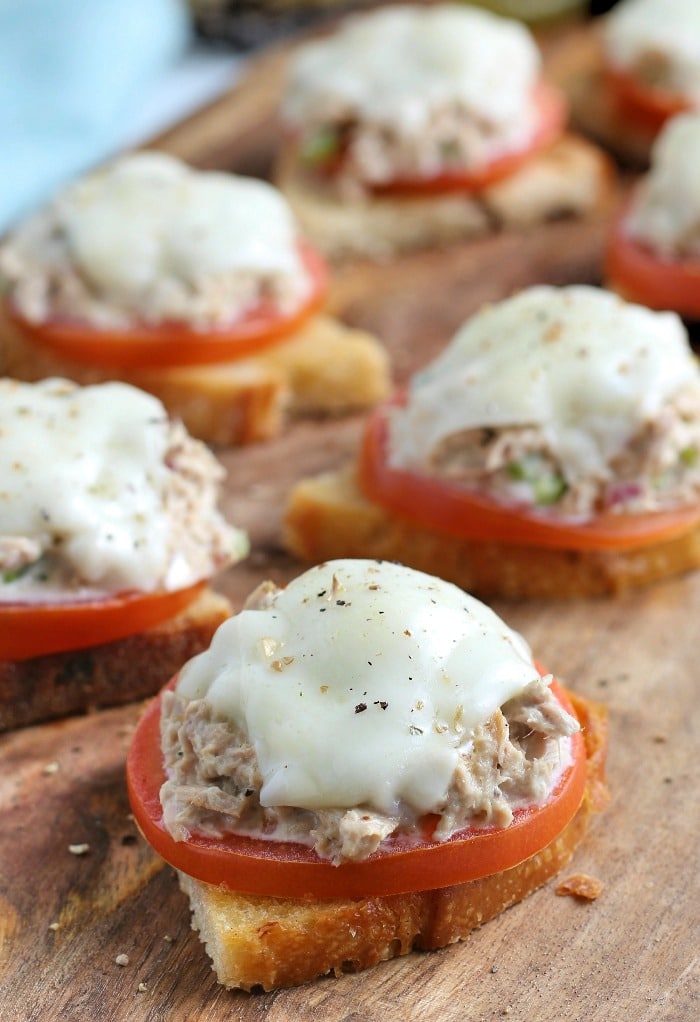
{"x": 125, "y": 670}
{"x": 277, "y": 942}
{"x": 327, "y": 516}
{"x": 572, "y": 177}
{"x": 325, "y": 368}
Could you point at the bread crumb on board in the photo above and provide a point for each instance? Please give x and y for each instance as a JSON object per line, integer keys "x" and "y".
{"x": 580, "y": 885}
{"x": 81, "y": 849}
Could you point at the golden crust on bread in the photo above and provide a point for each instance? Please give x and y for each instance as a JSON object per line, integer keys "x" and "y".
{"x": 572, "y": 177}
{"x": 324, "y": 368}
{"x": 275, "y": 942}
{"x": 110, "y": 674}
{"x": 327, "y": 516}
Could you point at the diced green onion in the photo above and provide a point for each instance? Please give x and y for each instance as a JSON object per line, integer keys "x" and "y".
{"x": 320, "y": 147}
{"x": 12, "y": 576}
{"x": 548, "y": 485}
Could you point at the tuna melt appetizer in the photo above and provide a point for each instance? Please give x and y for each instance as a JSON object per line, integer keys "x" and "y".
{"x": 195, "y": 286}
{"x": 412, "y": 126}
{"x": 653, "y": 254}
{"x": 109, "y": 535}
{"x": 631, "y": 71}
{"x": 652, "y": 57}
{"x": 552, "y": 449}
{"x": 364, "y": 762}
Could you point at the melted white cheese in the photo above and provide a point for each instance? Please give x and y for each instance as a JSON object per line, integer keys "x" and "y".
{"x": 580, "y": 363}
{"x": 83, "y": 473}
{"x": 360, "y": 683}
{"x": 667, "y": 29}
{"x": 665, "y": 212}
{"x": 149, "y": 217}
{"x": 397, "y": 65}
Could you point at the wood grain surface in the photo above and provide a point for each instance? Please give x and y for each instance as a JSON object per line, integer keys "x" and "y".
{"x": 79, "y": 888}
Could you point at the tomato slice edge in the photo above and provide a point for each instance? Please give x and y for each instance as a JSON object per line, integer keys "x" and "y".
{"x": 639, "y": 274}
{"x": 440, "y": 505}
{"x": 172, "y": 345}
{"x": 646, "y": 106}
{"x": 284, "y": 869}
{"x": 35, "y": 629}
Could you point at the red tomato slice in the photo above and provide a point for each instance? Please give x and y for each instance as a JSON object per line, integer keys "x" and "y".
{"x": 169, "y": 345}
{"x": 285, "y": 869}
{"x": 34, "y": 629}
{"x": 446, "y": 507}
{"x": 646, "y": 106}
{"x": 551, "y": 119}
{"x": 635, "y": 271}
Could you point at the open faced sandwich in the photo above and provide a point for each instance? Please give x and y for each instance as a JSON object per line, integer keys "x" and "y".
{"x": 653, "y": 252}
{"x": 365, "y": 762}
{"x": 109, "y": 534}
{"x": 642, "y": 67}
{"x": 194, "y": 286}
{"x": 553, "y": 449}
{"x": 415, "y": 125}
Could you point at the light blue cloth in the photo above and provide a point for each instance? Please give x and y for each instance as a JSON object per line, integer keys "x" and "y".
{"x": 72, "y": 73}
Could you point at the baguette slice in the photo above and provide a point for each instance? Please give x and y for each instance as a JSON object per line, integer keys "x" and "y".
{"x": 571, "y": 178}
{"x": 327, "y": 516}
{"x": 324, "y": 368}
{"x": 111, "y": 674}
{"x": 276, "y": 942}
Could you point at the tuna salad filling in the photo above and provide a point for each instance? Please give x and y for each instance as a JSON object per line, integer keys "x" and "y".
{"x": 658, "y": 468}
{"x": 214, "y": 782}
{"x": 365, "y": 154}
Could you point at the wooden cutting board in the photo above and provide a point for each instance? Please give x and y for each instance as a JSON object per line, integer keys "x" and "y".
{"x": 79, "y": 889}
